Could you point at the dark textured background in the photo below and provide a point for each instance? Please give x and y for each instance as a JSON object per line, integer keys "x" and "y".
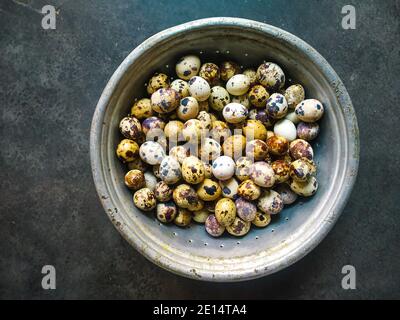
{"x": 50, "y": 82}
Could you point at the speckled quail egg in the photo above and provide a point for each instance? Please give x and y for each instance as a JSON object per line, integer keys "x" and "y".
{"x": 271, "y": 76}
{"x": 193, "y": 170}
{"x": 183, "y": 218}
{"x": 234, "y": 112}
{"x": 186, "y": 197}
{"x": 238, "y": 84}
{"x": 220, "y": 131}
{"x": 210, "y": 150}
{"x": 208, "y": 170}
{"x": 223, "y": 168}
{"x": 254, "y": 129}
{"x": 292, "y": 117}
{"x": 258, "y": 96}
{"x": 205, "y": 118}
{"x": 239, "y": 227}
{"x": 277, "y": 106}
{"x": 300, "y": 148}
{"x": 277, "y": 145}
{"x": 242, "y": 99}
{"x": 245, "y": 209}
{"x": 305, "y": 189}
{"x": 252, "y": 74}
{"x": 228, "y": 69}
{"x": 249, "y": 190}
{"x": 270, "y": 202}
{"x": 218, "y": 98}
{"x": 158, "y": 136}
{"x": 294, "y": 95}
{"x": 281, "y": 169}
{"x": 209, "y": 190}
{"x": 165, "y": 100}
{"x": 188, "y": 109}
{"x": 170, "y": 170}
{"x": 180, "y": 86}
{"x": 134, "y": 179}
{"x": 302, "y": 169}
{"x": 130, "y": 128}
{"x": 199, "y": 88}
{"x": 261, "y": 220}
{"x": 192, "y": 130}
{"x": 307, "y": 130}
{"x": 256, "y": 150}
{"x": 173, "y": 130}
{"x": 310, "y": 110}
{"x": 137, "y": 164}
{"x": 180, "y": 153}
{"x": 166, "y": 212}
{"x": 225, "y": 211}
{"x": 187, "y": 67}
{"x": 262, "y": 174}
{"x": 150, "y": 180}
{"x": 162, "y": 191}
{"x": 144, "y": 199}
{"x": 229, "y": 188}
{"x": 262, "y": 116}
{"x": 210, "y": 72}
{"x": 242, "y": 170}
{"x": 152, "y": 123}
{"x": 200, "y": 216}
{"x": 141, "y": 109}
{"x": 204, "y": 106}
{"x": 287, "y": 194}
{"x": 213, "y": 227}
{"x": 285, "y": 128}
{"x": 234, "y": 146}
{"x": 151, "y": 152}
{"x": 156, "y": 82}
{"x": 127, "y": 150}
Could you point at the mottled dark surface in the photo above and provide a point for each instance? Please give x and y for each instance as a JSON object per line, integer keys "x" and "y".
{"x": 50, "y": 213}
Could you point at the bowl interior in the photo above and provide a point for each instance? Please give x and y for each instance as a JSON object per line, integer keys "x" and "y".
{"x": 261, "y": 250}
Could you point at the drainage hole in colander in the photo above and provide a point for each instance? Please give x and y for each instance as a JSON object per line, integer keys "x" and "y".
{"x": 174, "y": 234}
{"x": 272, "y": 230}
{"x": 190, "y": 241}
{"x": 287, "y": 219}
{"x": 238, "y": 242}
{"x": 221, "y": 245}
{"x": 256, "y": 237}
{"x": 205, "y": 243}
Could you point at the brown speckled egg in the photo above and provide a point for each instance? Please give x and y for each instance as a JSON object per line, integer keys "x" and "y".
{"x": 152, "y": 123}
{"x": 239, "y": 227}
{"x": 262, "y": 116}
{"x": 162, "y": 191}
{"x": 208, "y": 170}
{"x": 270, "y": 202}
{"x": 307, "y": 130}
{"x": 205, "y": 118}
{"x": 134, "y": 179}
{"x": 254, "y": 129}
{"x": 157, "y": 135}
{"x": 238, "y": 85}
{"x": 170, "y": 170}
{"x": 130, "y": 128}
{"x": 209, "y": 190}
{"x": 141, "y": 109}
{"x": 127, "y": 150}
{"x": 193, "y": 170}
{"x": 179, "y": 153}
{"x": 258, "y": 96}
{"x": 186, "y": 197}
{"x": 165, "y": 100}
{"x": 192, "y": 130}
{"x": 151, "y": 180}
{"x": 173, "y": 130}
{"x": 210, "y": 150}
{"x": 282, "y": 170}
{"x": 234, "y": 113}
{"x": 301, "y": 169}
{"x": 300, "y": 148}
{"x": 262, "y": 174}
{"x": 261, "y": 220}
{"x": 199, "y": 88}
{"x": 294, "y": 95}
{"x": 277, "y": 106}
{"x": 201, "y": 215}
{"x": 252, "y": 74}
{"x": 183, "y": 218}
{"x": 234, "y": 146}
{"x": 229, "y": 188}
{"x": 180, "y": 86}
{"x": 271, "y": 76}
{"x": 188, "y": 109}
{"x": 277, "y": 145}
{"x": 213, "y": 227}
{"x": 310, "y": 110}
{"x": 187, "y": 67}
{"x": 144, "y": 199}
{"x": 151, "y": 152}
{"x": 218, "y": 98}
{"x": 305, "y": 189}
{"x": 243, "y": 165}
{"x": 166, "y": 212}
{"x": 138, "y": 164}
{"x": 287, "y": 194}
{"x": 249, "y": 190}
{"x": 228, "y": 69}
{"x": 225, "y": 211}
{"x": 220, "y": 131}
{"x": 256, "y": 150}
{"x": 156, "y": 82}
{"x": 245, "y": 209}
{"x": 210, "y": 72}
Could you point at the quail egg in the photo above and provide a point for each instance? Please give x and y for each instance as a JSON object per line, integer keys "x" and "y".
{"x": 210, "y": 72}
{"x": 192, "y": 130}
{"x": 218, "y": 98}
{"x": 285, "y": 128}
{"x": 152, "y": 123}
{"x": 141, "y": 109}
{"x": 252, "y": 74}
{"x": 213, "y": 227}
{"x": 294, "y": 95}
{"x": 179, "y": 153}
{"x": 209, "y": 190}
{"x": 282, "y": 170}
{"x": 234, "y": 146}
{"x": 228, "y": 69}
{"x": 270, "y": 202}
{"x": 180, "y": 86}
{"x": 243, "y": 165}
{"x": 144, "y": 199}
{"x": 262, "y": 174}
{"x": 170, "y": 170}
{"x": 287, "y": 195}
{"x": 130, "y": 128}
{"x": 166, "y": 211}
{"x": 165, "y": 100}
{"x": 183, "y": 218}
{"x": 245, "y": 209}
{"x": 150, "y": 180}
{"x": 307, "y": 130}
{"x": 225, "y": 211}
{"x": 188, "y": 109}
{"x": 151, "y": 152}
{"x": 200, "y": 216}
{"x": 156, "y": 82}
{"x": 292, "y": 117}
{"x": 210, "y": 150}
{"x": 238, "y": 84}
{"x": 234, "y": 112}
{"x": 277, "y": 106}
{"x": 162, "y": 191}
{"x": 271, "y": 76}
{"x": 305, "y": 189}
{"x": 199, "y": 88}
{"x": 300, "y": 148}
{"x": 205, "y": 118}
{"x": 134, "y": 179}
{"x": 173, "y": 130}
{"x": 277, "y": 145}
{"x": 262, "y": 116}
{"x": 223, "y": 168}
{"x": 310, "y": 110}
{"x": 261, "y": 220}
{"x": 220, "y": 131}
{"x": 249, "y": 190}
{"x": 254, "y": 129}
{"x": 186, "y": 197}
{"x": 138, "y": 164}
{"x": 242, "y": 99}
{"x": 258, "y": 96}
{"x": 127, "y": 150}
{"x": 256, "y": 150}
{"x": 188, "y": 67}
{"x": 208, "y": 170}
{"x": 302, "y": 169}
{"x": 193, "y": 170}
{"x": 229, "y": 188}
{"x": 239, "y": 227}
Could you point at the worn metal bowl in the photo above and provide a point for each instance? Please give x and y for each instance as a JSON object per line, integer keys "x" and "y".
{"x": 300, "y": 227}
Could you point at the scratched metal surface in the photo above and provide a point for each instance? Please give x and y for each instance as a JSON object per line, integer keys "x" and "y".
{"x": 50, "y": 212}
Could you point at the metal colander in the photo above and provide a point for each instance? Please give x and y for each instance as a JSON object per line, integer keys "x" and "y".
{"x": 298, "y": 228}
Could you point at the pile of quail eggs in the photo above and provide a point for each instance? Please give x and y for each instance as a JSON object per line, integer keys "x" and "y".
{"x": 224, "y": 147}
